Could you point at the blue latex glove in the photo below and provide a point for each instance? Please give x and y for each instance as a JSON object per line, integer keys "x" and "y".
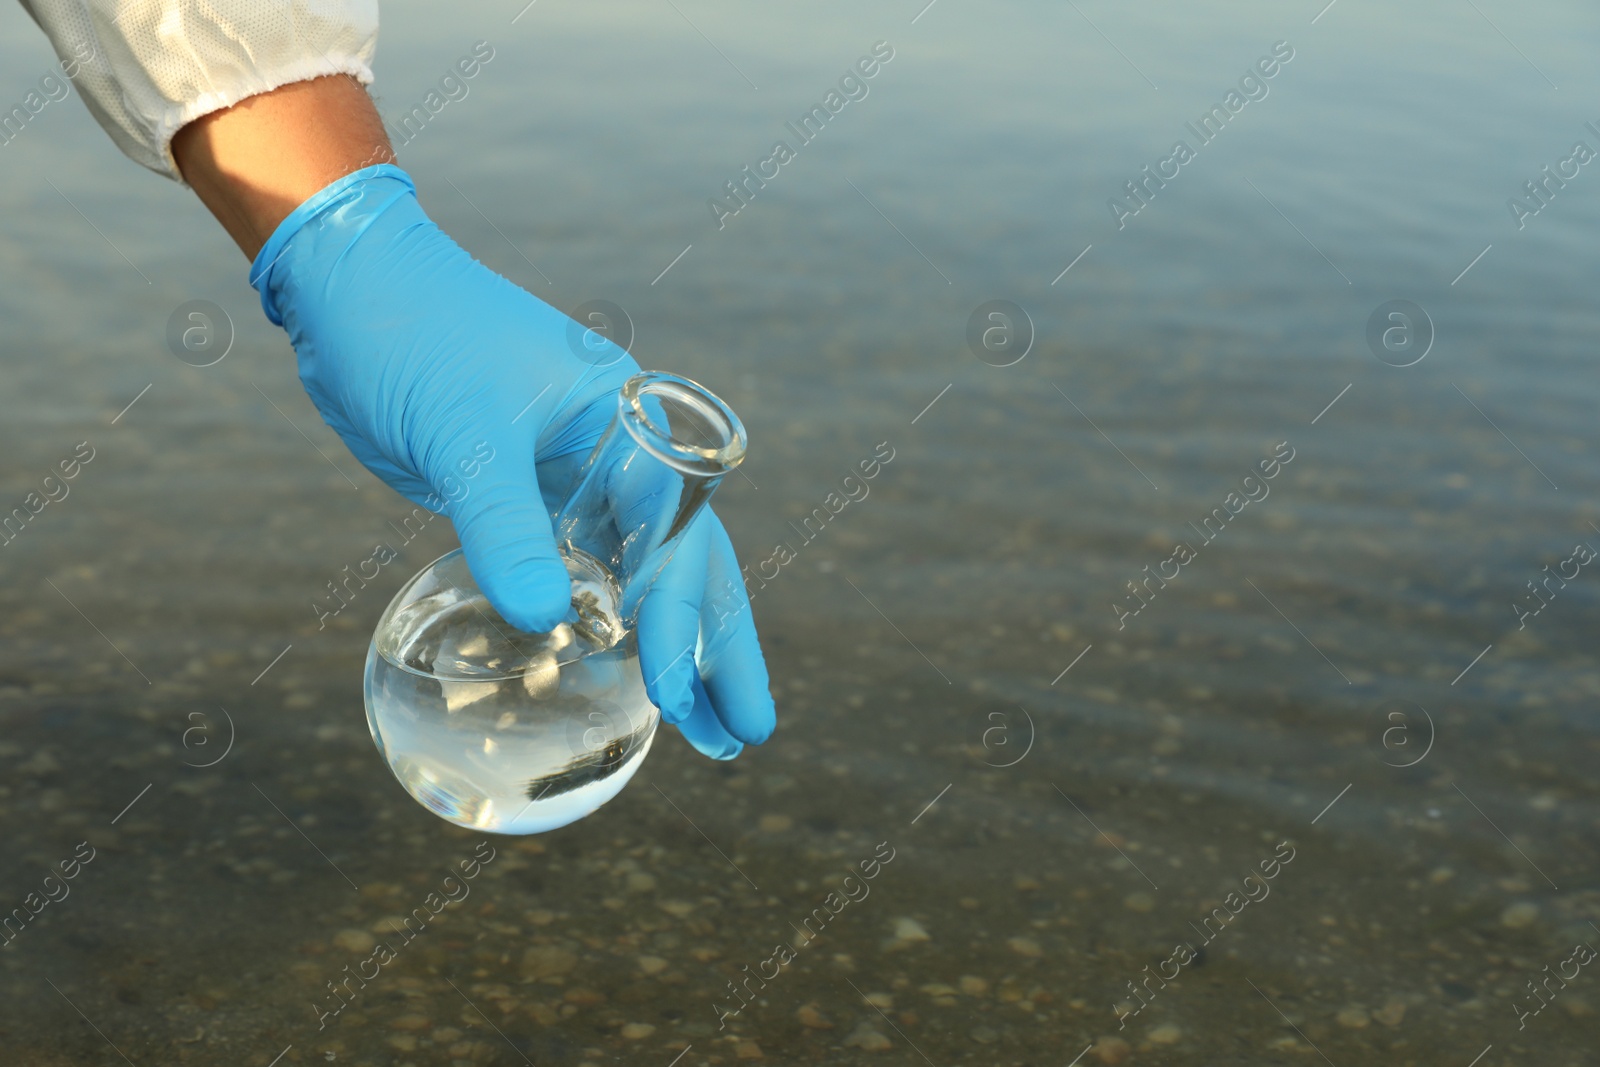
{"x": 425, "y": 361}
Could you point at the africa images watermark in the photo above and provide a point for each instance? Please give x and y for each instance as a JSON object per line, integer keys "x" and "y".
{"x": 728, "y": 604}
{"x": 1542, "y": 190}
{"x": 1543, "y": 995}
{"x": 1142, "y": 190}
{"x": 51, "y": 88}
{"x": 33, "y": 903}
{"x": 784, "y": 953}
{"x": 55, "y": 490}
{"x": 384, "y": 954}
{"x": 1210, "y": 527}
{"x": 451, "y": 491}
{"x": 1185, "y": 952}
{"x": 852, "y": 86}
{"x": 452, "y": 87}
{"x": 1541, "y": 594}
{"x": 854, "y": 490}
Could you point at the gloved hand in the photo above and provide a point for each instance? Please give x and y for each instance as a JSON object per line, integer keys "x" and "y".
{"x": 418, "y": 356}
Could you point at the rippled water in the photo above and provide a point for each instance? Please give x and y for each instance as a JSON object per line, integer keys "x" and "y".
{"x": 1066, "y": 791}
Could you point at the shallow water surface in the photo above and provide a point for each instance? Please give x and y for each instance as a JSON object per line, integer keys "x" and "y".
{"x": 1199, "y": 687}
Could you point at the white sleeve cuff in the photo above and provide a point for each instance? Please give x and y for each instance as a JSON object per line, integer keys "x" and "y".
{"x": 147, "y": 68}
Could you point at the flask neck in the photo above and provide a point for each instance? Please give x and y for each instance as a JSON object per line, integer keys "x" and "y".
{"x": 667, "y": 448}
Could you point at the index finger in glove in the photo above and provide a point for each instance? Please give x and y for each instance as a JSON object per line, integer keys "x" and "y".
{"x": 506, "y": 538}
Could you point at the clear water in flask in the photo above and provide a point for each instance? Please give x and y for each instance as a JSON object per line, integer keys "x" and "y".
{"x": 497, "y": 729}
{"x": 500, "y": 730}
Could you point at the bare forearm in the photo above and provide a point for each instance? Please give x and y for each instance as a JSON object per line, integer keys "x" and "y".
{"x": 254, "y": 163}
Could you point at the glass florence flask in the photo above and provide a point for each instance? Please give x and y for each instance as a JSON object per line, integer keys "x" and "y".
{"x": 518, "y": 733}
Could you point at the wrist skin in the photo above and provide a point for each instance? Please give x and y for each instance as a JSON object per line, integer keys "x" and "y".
{"x": 254, "y": 163}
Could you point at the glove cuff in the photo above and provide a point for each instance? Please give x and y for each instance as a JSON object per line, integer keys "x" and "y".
{"x": 356, "y": 198}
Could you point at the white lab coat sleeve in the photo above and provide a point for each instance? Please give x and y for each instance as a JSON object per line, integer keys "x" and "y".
{"x": 146, "y": 68}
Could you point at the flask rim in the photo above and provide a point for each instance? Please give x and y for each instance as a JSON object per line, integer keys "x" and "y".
{"x": 684, "y": 456}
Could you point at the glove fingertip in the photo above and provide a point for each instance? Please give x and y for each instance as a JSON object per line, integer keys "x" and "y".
{"x": 505, "y": 534}
{"x": 668, "y": 629}
{"x": 751, "y": 724}
{"x": 704, "y": 731}
{"x": 755, "y": 730}
{"x": 738, "y": 688}
{"x": 533, "y": 595}
{"x": 756, "y": 733}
